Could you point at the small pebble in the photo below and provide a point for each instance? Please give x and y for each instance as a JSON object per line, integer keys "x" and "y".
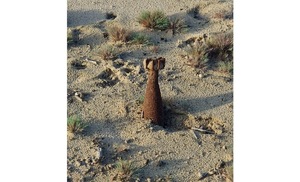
{"x": 129, "y": 141}
{"x": 108, "y": 166}
{"x": 147, "y": 161}
{"x": 220, "y": 164}
{"x": 199, "y": 174}
{"x": 77, "y": 163}
{"x": 101, "y": 169}
{"x": 202, "y": 175}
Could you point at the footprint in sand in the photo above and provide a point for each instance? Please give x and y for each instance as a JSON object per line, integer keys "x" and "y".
{"x": 107, "y": 78}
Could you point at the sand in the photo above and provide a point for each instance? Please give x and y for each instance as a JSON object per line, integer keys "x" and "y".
{"x": 113, "y": 91}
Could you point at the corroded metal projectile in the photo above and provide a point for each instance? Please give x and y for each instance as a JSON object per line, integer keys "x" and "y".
{"x": 152, "y": 106}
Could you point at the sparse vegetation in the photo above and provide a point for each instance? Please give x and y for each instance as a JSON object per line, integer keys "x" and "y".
{"x": 107, "y": 52}
{"x": 75, "y": 125}
{"x": 139, "y": 38}
{"x": 69, "y": 38}
{"x": 73, "y": 36}
{"x": 194, "y": 12}
{"x": 177, "y": 25}
{"x": 220, "y": 46}
{"x": 125, "y": 169}
{"x": 220, "y": 49}
{"x": 197, "y": 56}
{"x": 154, "y": 49}
{"x": 155, "y": 20}
{"x": 140, "y": 100}
{"x": 105, "y": 68}
{"x": 117, "y": 33}
{"x": 226, "y": 67}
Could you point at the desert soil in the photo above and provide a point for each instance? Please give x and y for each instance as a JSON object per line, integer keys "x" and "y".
{"x": 112, "y": 92}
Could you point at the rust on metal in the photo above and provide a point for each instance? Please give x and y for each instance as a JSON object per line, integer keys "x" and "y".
{"x": 152, "y": 106}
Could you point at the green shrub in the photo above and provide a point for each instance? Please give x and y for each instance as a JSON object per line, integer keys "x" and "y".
{"x": 75, "y": 125}
{"x": 155, "y": 20}
{"x": 140, "y": 100}
{"x": 139, "y": 38}
{"x": 226, "y": 67}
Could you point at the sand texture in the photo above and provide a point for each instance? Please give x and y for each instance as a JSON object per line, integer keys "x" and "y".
{"x": 111, "y": 93}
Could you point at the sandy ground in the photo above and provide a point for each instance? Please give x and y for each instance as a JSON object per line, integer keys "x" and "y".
{"x": 113, "y": 90}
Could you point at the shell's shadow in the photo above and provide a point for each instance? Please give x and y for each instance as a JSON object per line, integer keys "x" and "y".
{"x": 174, "y": 120}
{"x": 206, "y": 103}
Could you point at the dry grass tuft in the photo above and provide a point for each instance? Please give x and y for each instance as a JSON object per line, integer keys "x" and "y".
{"x": 117, "y": 33}
{"x": 154, "y": 49}
{"x": 195, "y": 12}
{"x": 215, "y": 52}
{"x": 220, "y": 49}
{"x": 221, "y": 46}
{"x": 177, "y": 25}
{"x": 197, "y": 55}
{"x": 73, "y": 36}
{"x": 107, "y": 52}
{"x": 125, "y": 169}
